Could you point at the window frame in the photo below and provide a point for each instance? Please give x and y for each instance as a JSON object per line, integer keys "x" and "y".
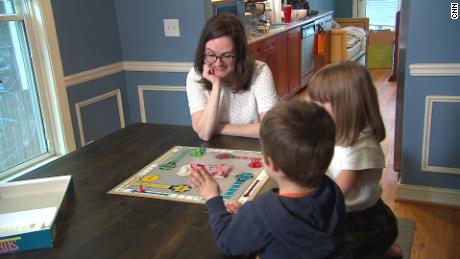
{"x": 49, "y": 77}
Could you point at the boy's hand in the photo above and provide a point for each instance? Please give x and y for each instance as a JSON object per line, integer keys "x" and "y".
{"x": 233, "y": 207}
{"x": 204, "y": 183}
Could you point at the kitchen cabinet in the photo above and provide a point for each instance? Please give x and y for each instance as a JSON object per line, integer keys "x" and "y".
{"x": 281, "y": 52}
{"x": 281, "y": 65}
{"x": 294, "y": 48}
{"x": 273, "y": 51}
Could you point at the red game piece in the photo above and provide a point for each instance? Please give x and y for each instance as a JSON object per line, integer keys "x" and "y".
{"x": 255, "y": 163}
{"x": 141, "y": 190}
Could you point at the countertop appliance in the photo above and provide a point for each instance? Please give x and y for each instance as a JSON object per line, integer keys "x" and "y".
{"x": 307, "y": 61}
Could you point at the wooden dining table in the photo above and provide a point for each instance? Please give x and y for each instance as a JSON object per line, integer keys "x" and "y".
{"x": 94, "y": 224}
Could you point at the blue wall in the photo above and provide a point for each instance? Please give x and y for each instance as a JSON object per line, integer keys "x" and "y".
{"x": 323, "y": 5}
{"x": 88, "y": 38}
{"x": 101, "y": 125}
{"x": 134, "y": 79}
{"x": 94, "y": 112}
{"x": 343, "y": 9}
{"x": 88, "y": 34}
{"x": 141, "y": 29}
{"x": 92, "y": 34}
{"x": 432, "y": 37}
{"x": 142, "y": 39}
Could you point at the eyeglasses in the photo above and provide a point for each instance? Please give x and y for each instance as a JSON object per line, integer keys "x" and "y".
{"x": 224, "y": 58}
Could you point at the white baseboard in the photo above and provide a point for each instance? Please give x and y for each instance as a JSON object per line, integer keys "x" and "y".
{"x": 432, "y": 195}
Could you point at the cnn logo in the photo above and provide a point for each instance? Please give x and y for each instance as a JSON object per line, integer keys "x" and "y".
{"x": 454, "y": 11}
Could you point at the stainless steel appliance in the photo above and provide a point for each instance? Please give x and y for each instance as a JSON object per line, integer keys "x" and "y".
{"x": 307, "y": 61}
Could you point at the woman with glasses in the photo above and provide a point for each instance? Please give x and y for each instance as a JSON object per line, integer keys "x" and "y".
{"x": 228, "y": 91}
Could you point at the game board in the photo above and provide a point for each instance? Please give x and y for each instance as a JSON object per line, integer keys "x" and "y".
{"x": 167, "y": 176}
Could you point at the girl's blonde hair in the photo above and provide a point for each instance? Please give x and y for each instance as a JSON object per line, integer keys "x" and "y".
{"x": 348, "y": 87}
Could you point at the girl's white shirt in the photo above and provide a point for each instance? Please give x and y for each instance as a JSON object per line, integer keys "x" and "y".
{"x": 239, "y": 108}
{"x": 365, "y": 154}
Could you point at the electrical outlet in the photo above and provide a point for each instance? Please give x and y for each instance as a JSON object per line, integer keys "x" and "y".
{"x": 171, "y": 27}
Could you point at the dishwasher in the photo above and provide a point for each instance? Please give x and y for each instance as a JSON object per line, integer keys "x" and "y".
{"x": 307, "y": 62}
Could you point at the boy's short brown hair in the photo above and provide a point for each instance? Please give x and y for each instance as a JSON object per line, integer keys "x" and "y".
{"x": 299, "y": 137}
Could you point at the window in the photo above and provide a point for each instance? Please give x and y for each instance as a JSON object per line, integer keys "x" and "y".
{"x": 381, "y": 13}
{"x": 30, "y": 129}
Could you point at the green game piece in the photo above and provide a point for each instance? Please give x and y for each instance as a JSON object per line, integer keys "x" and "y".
{"x": 197, "y": 153}
{"x": 202, "y": 148}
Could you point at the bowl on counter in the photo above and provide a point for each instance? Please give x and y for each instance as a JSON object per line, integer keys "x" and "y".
{"x": 298, "y": 14}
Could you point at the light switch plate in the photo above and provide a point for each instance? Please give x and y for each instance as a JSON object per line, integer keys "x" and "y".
{"x": 171, "y": 27}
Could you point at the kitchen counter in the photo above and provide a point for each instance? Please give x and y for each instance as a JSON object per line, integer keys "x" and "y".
{"x": 289, "y": 55}
{"x": 277, "y": 28}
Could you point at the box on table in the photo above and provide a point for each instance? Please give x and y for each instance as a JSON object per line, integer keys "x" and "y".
{"x": 29, "y": 212}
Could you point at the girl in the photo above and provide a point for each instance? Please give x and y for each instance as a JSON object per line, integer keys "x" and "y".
{"x": 346, "y": 91}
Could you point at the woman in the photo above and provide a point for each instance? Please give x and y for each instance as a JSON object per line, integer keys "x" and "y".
{"x": 228, "y": 91}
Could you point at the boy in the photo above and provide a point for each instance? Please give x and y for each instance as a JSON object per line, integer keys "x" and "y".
{"x": 304, "y": 217}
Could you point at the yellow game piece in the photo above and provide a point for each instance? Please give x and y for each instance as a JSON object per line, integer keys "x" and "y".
{"x": 150, "y": 178}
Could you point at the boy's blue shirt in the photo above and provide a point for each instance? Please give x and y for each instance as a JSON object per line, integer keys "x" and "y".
{"x": 281, "y": 227}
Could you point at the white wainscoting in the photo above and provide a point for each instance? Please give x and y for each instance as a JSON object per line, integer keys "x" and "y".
{"x": 443, "y": 69}
{"x": 427, "y": 134}
{"x": 142, "y": 88}
{"x": 154, "y": 66}
{"x": 406, "y": 192}
{"x": 93, "y": 74}
{"x": 93, "y": 100}
{"x": 432, "y": 195}
{"x": 135, "y": 66}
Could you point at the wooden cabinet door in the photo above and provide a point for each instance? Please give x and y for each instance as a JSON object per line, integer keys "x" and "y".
{"x": 293, "y": 49}
{"x": 257, "y": 50}
{"x": 267, "y": 51}
{"x": 273, "y": 51}
{"x": 281, "y": 65}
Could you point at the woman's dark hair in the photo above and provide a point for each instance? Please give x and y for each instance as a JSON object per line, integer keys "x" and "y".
{"x": 227, "y": 24}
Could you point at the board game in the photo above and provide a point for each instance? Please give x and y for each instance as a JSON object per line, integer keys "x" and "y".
{"x": 240, "y": 174}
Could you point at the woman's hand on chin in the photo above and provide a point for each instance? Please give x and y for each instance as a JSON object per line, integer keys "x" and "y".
{"x": 208, "y": 73}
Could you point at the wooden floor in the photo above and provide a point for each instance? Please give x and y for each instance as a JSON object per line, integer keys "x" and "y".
{"x": 437, "y": 228}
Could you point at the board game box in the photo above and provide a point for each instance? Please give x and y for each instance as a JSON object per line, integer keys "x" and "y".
{"x": 240, "y": 174}
{"x": 29, "y": 212}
